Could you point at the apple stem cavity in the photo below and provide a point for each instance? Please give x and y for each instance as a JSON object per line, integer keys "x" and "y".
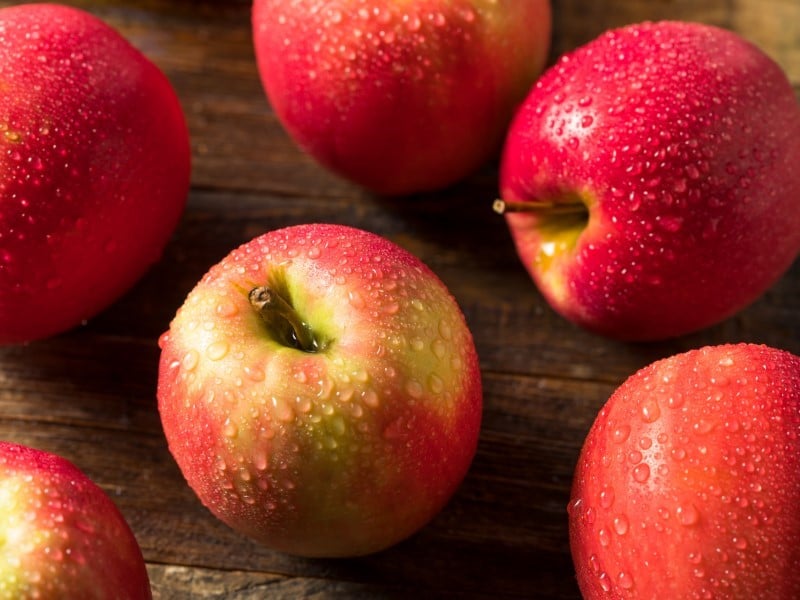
{"x": 282, "y": 320}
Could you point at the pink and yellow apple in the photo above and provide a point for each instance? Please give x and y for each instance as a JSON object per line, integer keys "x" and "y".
{"x": 94, "y": 168}
{"x": 320, "y": 391}
{"x": 399, "y": 97}
{"x": 651, "y": 179}
{"x": 687, "y": 483}
{"x": 60, "y": 534}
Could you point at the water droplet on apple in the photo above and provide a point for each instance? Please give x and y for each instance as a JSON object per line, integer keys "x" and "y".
{"x": 370, "y": 398}
{"x": 314, "y": 252}
{"x": 607, "y": 497}
{"x": 255, "y": 373}
{"x": 605, "y": 582}
{"x": 217, "y": 350}
{"x": 356, "y": 299}
{"x": 621, "y": 433}
{"x": 230, "y": 430}
{"x": 417, "y": 344}
{"x": 435, "y": 384}
{"x": 604, "y": 537}
{"x": 621, "y": 524}
{"x": 414, "y": 388}
{"x": 671, "y": 224}
{"x": 445, "y": 330}
{"x": 641, "y": 472}
{"x": 412, "y": 21}
{"x": 438, "y": 348}
{"x": 190, "y": 360}
{"x": 678, "y": 453}
{"x": 226, "y": 309}
{"x": 392, "y": 308}
{"x": 687, "y": 514}
{"x": 650, "y": 411}
{"x": 625, "y": 580}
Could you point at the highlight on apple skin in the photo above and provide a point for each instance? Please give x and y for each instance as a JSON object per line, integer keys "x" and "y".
{"x": 60, "y": 534}
{"x": 651, "y": 179}
{"x": 94, "y": 168}
{"x": 320, "y": 391}
{"x": 687, "y": 486}
{"x": 399, "y": 97}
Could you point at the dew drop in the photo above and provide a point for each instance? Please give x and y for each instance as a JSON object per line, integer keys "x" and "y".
{"x": 356, "y": 299}
{"x": 435, "y": 384}
{"x": 226, "y": 309}
{"x": 438, "y": 348}
{"x": 444, "y": 330}
{"x": 217, "y": 350}
{"x": 641, "y": 472}
{"x": 607, "y": 497}
{"x": 190, "y": 360}
{"x": 605, "y": 582}
{"x": 621, "y": 524}
{"x": 621, "y": 433}
{"x": 604, "y": 537}
{"x": 687, "y": 515}
{"x": 392, "y": 308}
{"x": 370, "y": 398}
{"x": 414, "y": 388}
{"x": 625, "y": 580}
{"x": 650, "y": 411}
{"x": 255, "y": 373}
{"x": 230, "y": 430}
{"x": 314, "y": 252}
{"x": 671, "y": 224}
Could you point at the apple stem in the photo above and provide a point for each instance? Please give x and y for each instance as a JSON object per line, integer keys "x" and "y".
{"x": 282, "y": 319}
{"x": 537, "y": 206}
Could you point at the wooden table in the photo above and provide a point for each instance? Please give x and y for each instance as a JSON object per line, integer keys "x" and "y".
{"x": 89, "y": 395}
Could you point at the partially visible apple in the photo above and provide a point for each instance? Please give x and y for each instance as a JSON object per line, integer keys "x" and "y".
{"x": 687, "y": 485}
{"x": 320, "y": 391}
{"x": 94, "y": 168}
{"x": 399, "y": 97}
{"x": 651, "y": 179}
{"x": 60, "y": 534}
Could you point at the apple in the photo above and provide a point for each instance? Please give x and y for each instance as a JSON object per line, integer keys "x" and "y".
{"x": 60, "y": 534}
{"x": 320, "y": 391}
{"x": 94, "y": 168}
{"x": 687, "y": 483}
{"x": 399, "y": 97}
{"x": 651, "y": 179}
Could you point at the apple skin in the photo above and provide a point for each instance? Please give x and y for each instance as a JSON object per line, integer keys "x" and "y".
{"x": 400, "y": 97}
{"x": 60, "y": 534}
{"x": 679, "y": 142}
{"x": 94, "y": 168}
{"x": 687, "y": 484}
{"x": 339, "y": 452}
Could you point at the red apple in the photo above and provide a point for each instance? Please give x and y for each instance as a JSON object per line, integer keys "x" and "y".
{"x": 60, "y": 534}
{"x": 655, "y": 176}
{"x": 399, "y": 97}
{"x": 94, "y": 168}
{"x": 320, "y": 391}
{"x": 687, "y": 485}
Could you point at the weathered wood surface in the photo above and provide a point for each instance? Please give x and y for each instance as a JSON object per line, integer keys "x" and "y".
{"x": 89, "y": 395}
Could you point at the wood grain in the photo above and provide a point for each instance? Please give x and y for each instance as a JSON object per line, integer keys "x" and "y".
{"x": 89, "y": 395}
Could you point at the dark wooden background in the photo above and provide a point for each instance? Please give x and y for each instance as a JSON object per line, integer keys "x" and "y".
{"x": 89, "y": 395}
